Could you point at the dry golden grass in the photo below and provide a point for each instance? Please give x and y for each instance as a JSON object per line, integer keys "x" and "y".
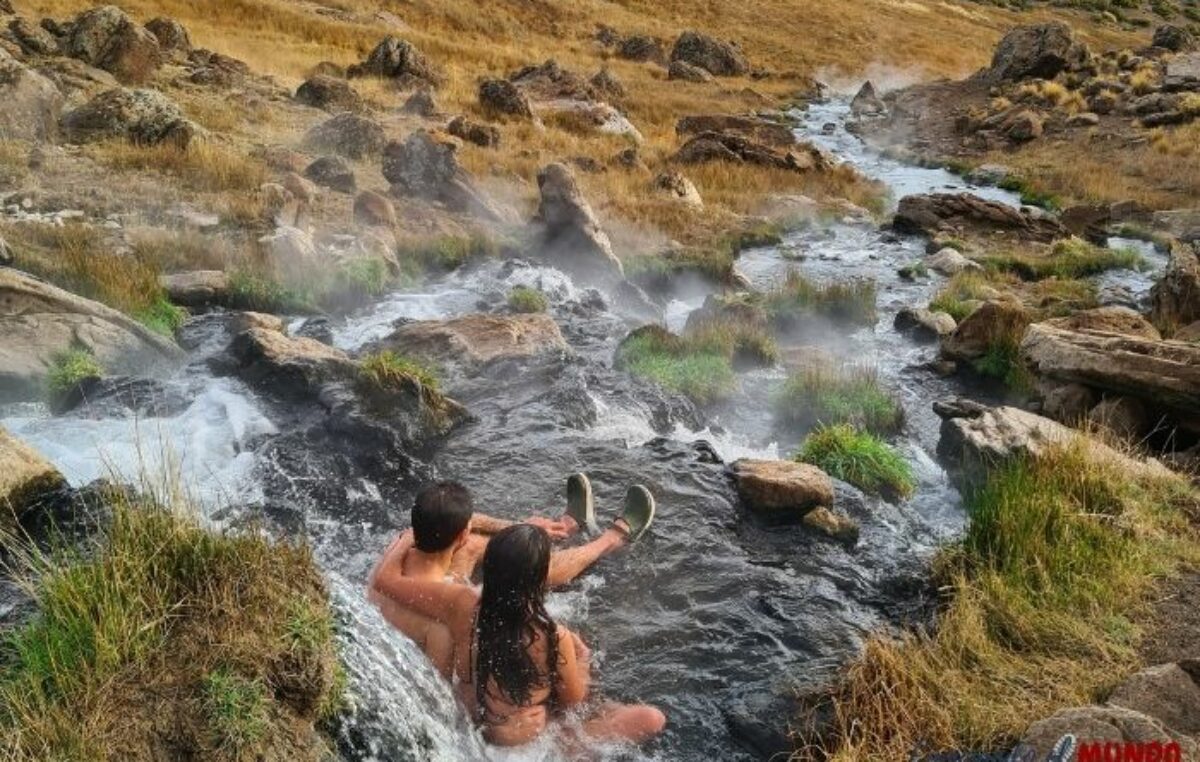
{"x": 202, "y": 166}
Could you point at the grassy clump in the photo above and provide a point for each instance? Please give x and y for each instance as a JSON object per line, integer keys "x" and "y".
{"x": 445, "y": 253}
{"x": 527, "y": 300}
{"x": 161, "y": 316}
{"x": 70, "y": 367}
{"x": 162, "y": 623}
{"x": 1031, "y": 195}
{"x": 850, "y": 301}
{"x": 251, "y": 290}
{"x": 386, "y": 370}
{"x": 1044, "y": 591}
{"x": 201, "y": 166}
{"x": 1068, "y": 259}
{"x": 850, "y": 394}
{"x": 745, "y": 341}
{"x": 699, "y": 370}
{"x": 1002, "y": 361}
{"x": 956, "y": 298}
{"x": 859, "y": 458}
{"x": 362, "y": 277}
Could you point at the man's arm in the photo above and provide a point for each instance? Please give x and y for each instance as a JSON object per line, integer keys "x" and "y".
{"x": 484, "y": 524}
{"x": 439, "y": 601}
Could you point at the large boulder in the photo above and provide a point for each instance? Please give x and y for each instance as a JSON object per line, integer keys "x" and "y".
{"x": 39, "y": 321}
{"x": 571, "y": 236}
{"x": 1037, "y": 50}
{"x": 499, "y": 97}
{"x": 196, "y": 288}
{"x": 329, "y": 94}
{"x": 1176, "y": 297}
{"x": 108, "y": 39}
{"x": 1165, "y": 373}
{"x": 1114, "y": 319}
{"x": 718, "y": 57}
{"x": 426, "y": 165}
{"x": 398, "y": 60}
{"x": 31, "y": 102}
{"x": 976, "y": 438}
{"x": 170, "y": 34}
{"x": 1173, "y": 38}
{"x": 25, "y": 476}
{"x": 958, "y": 213}
{"x": 286, "y": 367}
{"x": 867, "y": 102}
{"x": 347, "y": 134}
{"x": 550, "y": 81}
{"x": 332, "y": 172}
{"x": 755, "y": 128}
{"x": 145, "y": 117}
{"x": 1168, "y": 692}
{"x": 781, "y": 490}
{"x": 1106, "y": 726}
{"x": 729, "y": 147}
{"x": 924, "y": 324}
{"x": 476, "y": 340}
{"x": 993, "y": 322}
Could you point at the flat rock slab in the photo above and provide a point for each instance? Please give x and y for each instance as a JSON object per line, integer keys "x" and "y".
{"x": 782, "y": 489}
{"x": 479, "y": 339}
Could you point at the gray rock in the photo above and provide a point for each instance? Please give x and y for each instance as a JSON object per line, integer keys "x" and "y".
{"x": 426, "y": 165}
{"x": 375, "y": 210}
{"x": 197, "y": 288}
{"x": 685, "y": 72}
{"x": 329, "y": 93}
{"x": 1038, "y": 50}
{"x": 170, "y": 34}
{"x": 108, "y": 39}
{"x": 31, "y": 102}
{"x": 571, "y": 236}
{"x": 1168, "y": 692}
{"x": 1125, "y": 417}
{"x": 675, "y": 186}
{"x": 1103, "y": 724}
{"x": 420, "y": 103}
{"x": 715, "y": 56}
{"x": 930, "y": 214}
{"x": 503, "y": 98}
{"x": 399, "y": 60}
{"x": 145, "y": 117}
{"x": 33, "y": 40}
{"x": 346, "y": 134}
{"x": 1173, "y": 38}
{"x": 332, "y": 172}
{"x": 608, "y": 83}
{"x": 1067, "y": 403}
{"x": 1023, "y": 127}
{"x": 923, "y": 324}
{"x": 641, "y": 47}
{"x": 483, "y": 135}
{"x": 867, "y": 102}
{"x": 950, "y": 261}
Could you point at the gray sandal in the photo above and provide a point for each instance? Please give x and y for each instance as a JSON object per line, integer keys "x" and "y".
{"x": 639, "y": 513}
{"x": 579, "y": 503}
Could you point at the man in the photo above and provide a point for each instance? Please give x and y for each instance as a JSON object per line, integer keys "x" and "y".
{"x": 448, "y": 538}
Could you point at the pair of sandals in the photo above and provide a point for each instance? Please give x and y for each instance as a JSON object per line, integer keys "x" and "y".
{"x": 633, "y": 521}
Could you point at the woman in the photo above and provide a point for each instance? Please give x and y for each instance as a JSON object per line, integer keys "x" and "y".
{"x": 515, "y": 667}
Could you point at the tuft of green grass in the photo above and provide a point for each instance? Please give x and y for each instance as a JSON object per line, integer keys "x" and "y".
{"x": 363, "y": 277}
{"x": 850, "y": 301}
{"x": 527, "y": 300}
{"x": 161, "y": 316}
{"x": 1031, "y": 195}
{"x": 960, "y": 291}
{"x": 747, "y": 344}
{"x": 447, "y": 252}
{"x": 1002, "y": 361}
{"x": 702, "y": 373}
{"x": 859, "y": 458}
{"x": 236, "y": 709}
{"x": 1068, "y": 260}
{"x": 250, "y": 290}
{"x": 824, "y": 394}
{"x": 1058, "y": 563}
{"x": 385, "y": 370}
{"x": 70, "y": 367}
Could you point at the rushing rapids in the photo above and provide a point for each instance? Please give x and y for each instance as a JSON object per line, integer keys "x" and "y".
{"x": 716, "y": 618}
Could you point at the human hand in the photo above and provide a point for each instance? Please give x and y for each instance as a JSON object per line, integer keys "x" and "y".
{"x": 558, "y": 529}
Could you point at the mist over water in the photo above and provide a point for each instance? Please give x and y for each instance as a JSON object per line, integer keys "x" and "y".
{"x": 713, "y": 615}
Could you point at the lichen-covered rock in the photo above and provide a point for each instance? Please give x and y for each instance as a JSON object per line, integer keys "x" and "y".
{"x": 329, "y": 93}
{"x": 641, "y": 47}
{"x": 607, "y": 83}
{"x": 171, "y": 35}
{"x": 718, "y": 57}
{"x": 107, "y": 38}
{"x": 332, "y": 172}
{"x": 571, "y": 236}
{"x": 483, "y": 135}
{"x": 347, "y": 134}
{"x": 781, "y": 489}
{"x": 39, "y": 321}
{"x": 502, "y": 98}
{"x": 675, "y": 186}
{"x": 399, "y": 60}
{"x": 426, "y": 165}
{"x": 31, "y": 102}
{"x": 145, "y": 117}
{"x": 1037, "y": 50}
{"x": 682, "y": 71}
{"x": 32, "y": 39}
{"x": 1173, "y": 38}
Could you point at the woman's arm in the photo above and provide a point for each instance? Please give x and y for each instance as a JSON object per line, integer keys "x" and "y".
{"x": 572, "y": 676}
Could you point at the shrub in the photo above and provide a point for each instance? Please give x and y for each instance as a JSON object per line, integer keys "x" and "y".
{"x": 70, "y": 367}
{"x": 851, "y": 301}
{"x": 703, "y": 373}
{"x": 161, "y": 620}
{"x": 823, "y": 394}
{"x": 1041, "y": 595}
{"x": 527, "y": 300}
{"x": 859, "y": 458}
{"x": 384, "y": 370}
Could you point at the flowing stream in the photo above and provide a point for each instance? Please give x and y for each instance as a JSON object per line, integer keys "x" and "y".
{"x": 715, "y": 618}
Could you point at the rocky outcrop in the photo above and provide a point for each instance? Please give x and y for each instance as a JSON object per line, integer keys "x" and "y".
{"x": 145, "y": 117}
{"x": 198, "y": 288}
{"x": 499, "y": 97}
{"x": 426, "y": 166}
{"x": 1037, "y": 50}
{"x": 39, "y": 321}
{"x": 398, "y": 60}
{"x": 31, "y": 102}
{"x": 170, "y": 34}
{"x": 570, "y": 234}
{"x": 483, "y": 135}
{"x": 1105, "y": 724}
{"x": 1165, "y": 373}
{"x": 549, "y": 81}
{"x": 285, "y": 366}
{"x": 32, "y": 39}
{"x": 329, "y": 94}
{"x": 728, "y": 147}
{"x": 108, "y": 39}
{"x": 25, "y": 476}
{"x": 781, "y": 490}
{"x": 1173, "y": 38}
{"x": 1176, "y": 297}
{"x": 723, "y": 59}
{"x": 993, "y": 322}
{"x": 477, "y": 340}
{"x": 349, "y": 135}
{"x": 757, "y": 129}
{"x": 867, "y": 102}
{"x": 960, "y": 213}
{"x": 332, "y": 172}
{"x": 1118, "y": 320}
{"x": 374, "y": 210}
{"x": 1170, "y": 693}
{"x": 976, "y": 438}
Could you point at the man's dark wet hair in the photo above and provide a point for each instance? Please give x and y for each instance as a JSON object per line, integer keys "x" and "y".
{"x": 440, "y": 514}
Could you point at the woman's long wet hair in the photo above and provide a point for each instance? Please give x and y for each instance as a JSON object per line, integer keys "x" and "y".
{"x": 512, "y": 613}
